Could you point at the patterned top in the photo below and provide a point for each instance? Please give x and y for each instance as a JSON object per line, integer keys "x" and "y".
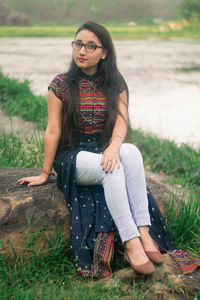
{"x": 92, "y": 101}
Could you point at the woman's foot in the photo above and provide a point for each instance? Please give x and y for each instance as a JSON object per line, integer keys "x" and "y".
{"x": 149, "y": 246}
{"x": 135, "y": 255}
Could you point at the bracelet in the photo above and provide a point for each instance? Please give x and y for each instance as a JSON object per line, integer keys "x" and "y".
{"x": 115, "y": 136}
{"x": 48, "y": 173}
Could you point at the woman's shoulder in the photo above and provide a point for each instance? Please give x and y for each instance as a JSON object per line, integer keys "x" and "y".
{"x": 122, "y": 85}
{"x": 60, "y": 81}
{"x": 59, "y": 85}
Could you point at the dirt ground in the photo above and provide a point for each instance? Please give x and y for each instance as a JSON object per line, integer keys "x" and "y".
{"x": 25, "y": 129}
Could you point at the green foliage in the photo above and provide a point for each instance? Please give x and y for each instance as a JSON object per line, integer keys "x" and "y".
{"x": 165, "y": 156}
{"x": 145, "y": 29}
{"x": 183, "y": 220}
{"x": 15, "y": 153}
{"x": 50, "y": 274}
{"x": 72, "y": 11}
{"x": 16, "y": 98}
{"x": 53, "y": 276}
{"x": 190, "y": 9}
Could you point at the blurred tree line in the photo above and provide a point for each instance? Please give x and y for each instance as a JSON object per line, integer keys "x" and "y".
{"x": 23, "y": 12}
{"x": 190, "y": 9}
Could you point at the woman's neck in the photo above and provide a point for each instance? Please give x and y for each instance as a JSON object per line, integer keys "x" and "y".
{"x": 90, "y": 77}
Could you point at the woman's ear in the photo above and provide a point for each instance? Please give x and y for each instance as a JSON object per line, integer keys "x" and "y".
{"x": 104, "y": 54}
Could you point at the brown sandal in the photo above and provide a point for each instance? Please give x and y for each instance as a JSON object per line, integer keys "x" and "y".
{"x": 146, "y": 268}
{"x": 155, "y": 256}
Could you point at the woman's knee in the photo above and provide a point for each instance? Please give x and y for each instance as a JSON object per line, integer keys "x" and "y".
{"x": 88, "y": 168}
{"x": 129, "y": 151}
{"x": 116, "y": 177}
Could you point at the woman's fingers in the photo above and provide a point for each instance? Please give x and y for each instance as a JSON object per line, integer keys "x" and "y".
{"x": 112, "y": 166}
{"x": 23, "y": 180}
{"x": 109, "y": 164}
{"x": 34, "y": 180}
{"x": 117, "y": 161}
{"x": 32, "y": 183}
{"x": 109, "y": 159}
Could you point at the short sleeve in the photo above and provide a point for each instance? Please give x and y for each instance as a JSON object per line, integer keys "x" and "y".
{"x": 59, "y": 86}
{"x": 122, "y": 85}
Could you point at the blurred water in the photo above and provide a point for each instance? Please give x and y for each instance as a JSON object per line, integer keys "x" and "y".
{"x": 163, "y": 78}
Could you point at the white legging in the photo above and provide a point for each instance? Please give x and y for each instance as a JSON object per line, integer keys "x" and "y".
{"x": 125, "y": 189}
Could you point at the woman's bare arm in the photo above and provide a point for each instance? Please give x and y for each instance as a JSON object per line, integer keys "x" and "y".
{"x": 53, "y": 130}
{"x": 51, "y": 140}
{"x": 111, "y": 155}
{"x": 120, "y": 127}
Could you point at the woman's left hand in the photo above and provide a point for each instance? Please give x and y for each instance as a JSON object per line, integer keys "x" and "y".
{"x": 110, "y": 158}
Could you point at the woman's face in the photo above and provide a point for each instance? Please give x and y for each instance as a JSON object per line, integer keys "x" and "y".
{"x": 88, "y": 61}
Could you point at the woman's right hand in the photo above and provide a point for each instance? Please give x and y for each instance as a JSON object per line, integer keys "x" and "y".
{"x": 34, "y": 180}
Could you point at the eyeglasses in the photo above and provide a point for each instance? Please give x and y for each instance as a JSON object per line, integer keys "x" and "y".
{"x": 88, "y": 47}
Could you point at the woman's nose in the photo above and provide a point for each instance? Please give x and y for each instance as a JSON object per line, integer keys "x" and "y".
{"x": 82, "y": 50}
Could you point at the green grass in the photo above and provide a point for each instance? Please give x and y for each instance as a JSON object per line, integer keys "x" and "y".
{"x": 53, "y": 276}
{"x": 121, "y": 31}
{"x": 15, "y": 153}
{"x": 164, "y": 156}
{"x": 183, "y": 220}
{"x": 189, "y": 69}
{"x": 16, "y": 98}
{"x": 49, "y": 273}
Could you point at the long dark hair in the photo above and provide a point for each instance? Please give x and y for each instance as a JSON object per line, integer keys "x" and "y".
{"x": 110, "y": 81}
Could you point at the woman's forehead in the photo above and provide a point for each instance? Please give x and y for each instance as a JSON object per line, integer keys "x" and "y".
{"x": 87, "y": 36}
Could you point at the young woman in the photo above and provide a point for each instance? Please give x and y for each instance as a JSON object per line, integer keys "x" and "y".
{"x": 101, "y": 177}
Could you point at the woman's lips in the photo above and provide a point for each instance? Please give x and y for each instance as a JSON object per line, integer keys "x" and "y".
{"x": 81, "y": 59}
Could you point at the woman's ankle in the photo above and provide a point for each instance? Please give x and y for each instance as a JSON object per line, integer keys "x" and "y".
{"x": 133, "y": 243}
{"x": 146, "y": 240}
{"x": 143, "y": 230}
{"x": 135, "y": 251}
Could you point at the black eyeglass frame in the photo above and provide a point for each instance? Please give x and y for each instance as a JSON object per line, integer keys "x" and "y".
{"x": 85, "y": 45}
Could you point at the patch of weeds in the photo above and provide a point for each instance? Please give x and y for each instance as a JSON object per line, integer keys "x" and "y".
{"x": 142, "y": 286}
{"x": 175, "y": 290}
{"x": 165, "y": 157}
{"x": 189, "y": 69}
{"x": 197, "y": 295}
{"x": 16, "y": 98}
{"x": 15, "y": 153}
{"x": 183, "y": 220}
{"x": 49, "y": 273}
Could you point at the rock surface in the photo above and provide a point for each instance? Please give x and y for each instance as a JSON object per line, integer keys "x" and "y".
{"x": 20, "y": 205}
{"x": 23, "y": 208}
{"x": 167, "y": 279}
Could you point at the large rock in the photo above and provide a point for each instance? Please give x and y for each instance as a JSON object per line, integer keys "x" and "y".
{"x": 21, "y": 206}
{"x": 23, "y": 210}
{"x": 27, "y": 214}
